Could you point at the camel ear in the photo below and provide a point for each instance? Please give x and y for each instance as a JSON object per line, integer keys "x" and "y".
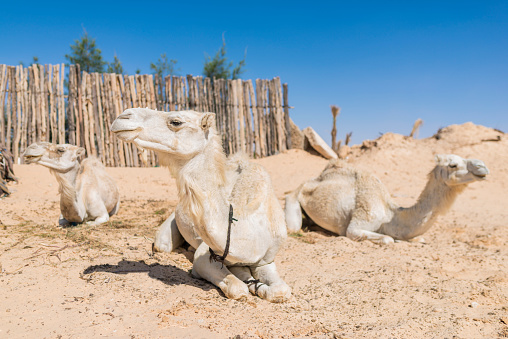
{"x": 440, "y": 159}
{"x": 80, "y": 151}
{"x": 207, "y": 121}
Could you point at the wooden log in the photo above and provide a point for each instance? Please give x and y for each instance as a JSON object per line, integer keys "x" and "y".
{"x": 26, "y": 113}
{"x": 192, "y": 92}
{"x": 42, "y": 105}
{"x": 97, "y": 116}
{"x": 249, "y": 135}
{"x": 123, "y": 103}
{"x": 208, "y": 91}
{"x": 3, "y": 82}
{"x": 287, "y": 123}
{"x": 79, "y": 111}
{"x": 10, "y": 94}
{"x": 51, "y": 109}
{"x": 71, "y": 108}
{"x": 241, "y": 115}
{"x": 168, "y": 102}
{"x": 260, "y": 116}
{"x": 18, "y": 113}
{"x": 128, "y": 103}
{"x": 255, "y": 120}
{"x": 33, "y": 118}
{"x": 281, "y": 133}
{"x": 132, "y": 86}
{"x": 84, "y": 111}
{"x": 116, "y": 113}
{"x": 108, "y": 144}
{"x": 61, "y": 105}
{"x": 113, "y": 148}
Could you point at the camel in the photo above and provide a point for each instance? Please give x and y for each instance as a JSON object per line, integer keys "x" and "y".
{"x": 354, "y": 203}
{"x": 210, "y": 186}
{"x": 87, "y": 192}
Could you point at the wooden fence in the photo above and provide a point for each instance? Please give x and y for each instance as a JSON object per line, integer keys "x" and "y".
{"x": 33, "y": 107}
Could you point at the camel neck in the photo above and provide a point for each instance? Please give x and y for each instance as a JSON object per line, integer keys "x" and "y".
{"x": 202, "y": 192}
{"x": 69, "y": 204}
{"x": 435, "y": 199}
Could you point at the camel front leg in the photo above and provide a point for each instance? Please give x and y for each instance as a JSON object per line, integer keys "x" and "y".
{"x": 217, "y": 274}
{"x": 357, "y": 234}
{"x": 293, "y": 212}
{"x": 167, "y": 237}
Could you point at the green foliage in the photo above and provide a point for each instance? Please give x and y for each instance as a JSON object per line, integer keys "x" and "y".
{"x": 35, "y": 60}
{"x": 115, "y": 66}
{"x": 164, "y": 67}
{"x": 138, "y": 71}
{"x": 220, "y": 68}
{"x": 85, "y": 53}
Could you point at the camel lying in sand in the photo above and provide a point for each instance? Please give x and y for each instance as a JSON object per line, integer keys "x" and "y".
{"x": 87, "y": 191}
{"x": 356, "y": 204}
{"x": 209, "y": 186}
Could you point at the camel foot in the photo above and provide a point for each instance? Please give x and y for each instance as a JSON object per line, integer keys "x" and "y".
{"x": 233, "y": 288}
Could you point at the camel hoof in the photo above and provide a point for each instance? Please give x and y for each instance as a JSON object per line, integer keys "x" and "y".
{"x": 235, "y": 289}
{"x": 387, "y": 240}
{"x": 276, "y": 293}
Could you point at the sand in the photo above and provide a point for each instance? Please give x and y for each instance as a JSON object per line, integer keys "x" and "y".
{"x": 85, "y": 282}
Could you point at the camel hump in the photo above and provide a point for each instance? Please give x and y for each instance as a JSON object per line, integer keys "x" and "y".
{"x": 92, "y": 161}
{"x": 252, "y": 185}
{"x": 239, "y": 161}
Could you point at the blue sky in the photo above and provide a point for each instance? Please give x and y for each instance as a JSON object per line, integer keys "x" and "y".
{"x": 385, "y": 64}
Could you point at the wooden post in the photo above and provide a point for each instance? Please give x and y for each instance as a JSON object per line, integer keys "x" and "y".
{"x": 248, "y": 118}
{"x": 10, "y": 95}
{"x": 289, "y": 144}
{"x": 18, "y": 113}
{"x": 3, "y": 82}
{"x": 71, "y": 108}
{"x": 26, "y": 110}
{"x": 61, "y": 105}
{"x": 97, "y": 115}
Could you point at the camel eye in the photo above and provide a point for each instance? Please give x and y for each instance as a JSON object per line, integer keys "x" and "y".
{"x": 60, "y": 150}
{"x": 176, "y": 123}
{"x": 452, "y": 165}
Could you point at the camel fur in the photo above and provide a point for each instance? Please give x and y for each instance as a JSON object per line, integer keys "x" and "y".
{"x": 87, "y": 191}
{"x": 354, "y": 203}
{"x": 208, "y": 183}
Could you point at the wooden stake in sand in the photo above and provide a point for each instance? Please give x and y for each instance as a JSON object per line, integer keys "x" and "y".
{"x": 335, "y": 114}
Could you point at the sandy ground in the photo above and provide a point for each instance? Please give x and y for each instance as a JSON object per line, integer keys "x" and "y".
{"x": 85, "y": 282}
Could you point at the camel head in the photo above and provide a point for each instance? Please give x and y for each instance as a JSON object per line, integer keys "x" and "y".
{"x": 61, "y": 158}
{"x": 454, "y": 170}
{"x": 181, "y": 133}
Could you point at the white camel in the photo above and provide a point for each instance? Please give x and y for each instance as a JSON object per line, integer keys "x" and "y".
{"x": 87, "y": 191}
{"x": 208, "y": 184}
{"x": 354, "y": 203}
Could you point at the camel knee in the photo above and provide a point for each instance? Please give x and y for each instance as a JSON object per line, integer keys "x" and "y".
{"x": 168, "y": 237}
{"x": 355, "y": 234}
{"x": 293, "y": 213}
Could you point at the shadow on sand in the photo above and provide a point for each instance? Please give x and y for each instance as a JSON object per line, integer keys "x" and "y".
{"x": 168, "y": 274}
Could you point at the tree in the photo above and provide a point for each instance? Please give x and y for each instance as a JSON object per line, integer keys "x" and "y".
{"x": 86, "y": 54}
{"x": 220, "y": 68}
{"x": 164, "y": 67}
{"x": 115, "y": 66}
{"x": 35, "y": 60}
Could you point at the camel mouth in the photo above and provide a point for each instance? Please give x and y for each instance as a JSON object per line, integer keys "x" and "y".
{"x": 32, "y": 158}
{"x": 127, "y": 134}
{"x": 480, "y": 176}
